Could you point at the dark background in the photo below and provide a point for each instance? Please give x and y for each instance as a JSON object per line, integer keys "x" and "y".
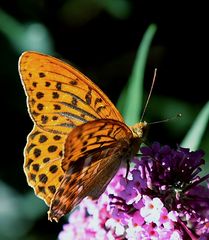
{"x": 102, "y": 40}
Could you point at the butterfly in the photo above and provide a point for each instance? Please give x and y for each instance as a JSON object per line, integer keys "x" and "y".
{"x": 79, "y": 138}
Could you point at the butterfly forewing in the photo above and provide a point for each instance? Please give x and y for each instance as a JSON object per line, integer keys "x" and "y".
{"x": 43, "y": 154}
{"x": 59, "y": 96}
{"x": 93, "y": 154}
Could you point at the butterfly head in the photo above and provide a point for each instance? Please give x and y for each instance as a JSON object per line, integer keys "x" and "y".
{"x": 138, "y": 129}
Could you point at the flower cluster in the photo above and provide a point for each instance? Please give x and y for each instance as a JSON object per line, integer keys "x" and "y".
{"x": 160, "y": 199}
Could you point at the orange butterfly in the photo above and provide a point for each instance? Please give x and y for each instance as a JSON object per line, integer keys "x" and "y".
{"x": 79, "y": 138}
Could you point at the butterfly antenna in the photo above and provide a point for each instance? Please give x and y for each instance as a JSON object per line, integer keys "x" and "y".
{"x": 150, "y": 93}
{"x": 167, "y": 120}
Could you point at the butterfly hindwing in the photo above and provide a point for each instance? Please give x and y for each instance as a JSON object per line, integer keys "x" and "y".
{"x": 93, "y": 154}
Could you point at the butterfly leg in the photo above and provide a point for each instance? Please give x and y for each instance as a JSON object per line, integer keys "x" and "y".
{"x": 127, "y": 168}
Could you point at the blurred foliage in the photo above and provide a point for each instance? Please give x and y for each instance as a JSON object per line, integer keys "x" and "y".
{"x": 102, "y": 38}
{"x": 78, "y": 12}
{"x": 28, "y": 36}
{"x": 131, "y": 99}
{"x": 17, "y": 210}
{"x": 194, "y": 136}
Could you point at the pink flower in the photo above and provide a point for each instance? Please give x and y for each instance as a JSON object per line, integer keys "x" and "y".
{"x": 161, "y": 199}
{"x": 151, "y": 210}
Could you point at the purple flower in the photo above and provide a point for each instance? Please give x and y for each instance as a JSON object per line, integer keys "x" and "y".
{"x": 161, "y": 199}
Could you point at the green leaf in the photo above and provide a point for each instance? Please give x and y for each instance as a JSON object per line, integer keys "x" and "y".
{"x": 193, "y": 137}
{"x": 131, "y": 98}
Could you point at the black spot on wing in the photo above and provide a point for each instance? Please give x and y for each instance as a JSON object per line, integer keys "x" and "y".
{"x": 42, "y": 75}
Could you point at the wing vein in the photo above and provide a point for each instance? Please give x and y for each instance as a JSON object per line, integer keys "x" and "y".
{"x": 78, "y": 109}
{"x": 72, "y": 116}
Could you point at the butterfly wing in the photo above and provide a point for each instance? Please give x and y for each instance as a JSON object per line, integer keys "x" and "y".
{"x": 59, "y": 98}
{"x": 93, "y": 154}
{"x": 43, "y": 154}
